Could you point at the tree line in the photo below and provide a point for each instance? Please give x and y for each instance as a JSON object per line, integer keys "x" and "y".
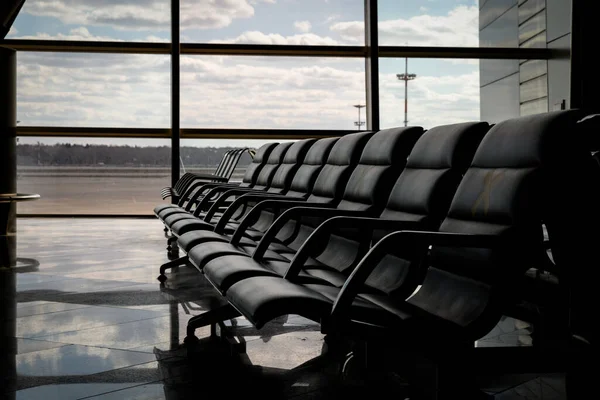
{"x": 92, "y": 154}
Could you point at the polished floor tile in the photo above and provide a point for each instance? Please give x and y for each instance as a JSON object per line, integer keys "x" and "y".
{"x": 77, "y": 360}
{"x": 68, "y": 391}
{"x": 87, "y": 319}
{"x": 130, "y": 334}
{"x": 45, "y": 308}
{"x": 33, "y": 345}
{"x": 80, "y": 319}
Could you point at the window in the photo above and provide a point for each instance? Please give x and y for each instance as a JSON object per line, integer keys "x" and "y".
{"x": 443, "y": 91}
{"x": 306, "y": 22}
{"x": 116, "y": 20}
{"x": 451, "y": 23}
{"x": 270, "y": 92}
{"x": 107, "y": 90}
{"x": 92, "y": 175}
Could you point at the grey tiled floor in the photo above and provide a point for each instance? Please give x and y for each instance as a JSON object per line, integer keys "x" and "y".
{"x": 90, "y": 321}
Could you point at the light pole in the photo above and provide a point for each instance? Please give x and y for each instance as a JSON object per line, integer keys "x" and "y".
{"x": 406, "y": 77}
{"x": 359, "y": 123}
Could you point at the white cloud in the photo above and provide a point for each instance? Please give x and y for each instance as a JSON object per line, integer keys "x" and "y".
{"x": 12, "y": 32}
{"x": 303, "y": 26}
{"x": 432, "y": 100}
{"x": 144, "y": 14}
{"x": 332, "y": 18}
{"x": 458, "y": 28}
{"x": 82, "y": 33}
{"x": 257, "y": 37}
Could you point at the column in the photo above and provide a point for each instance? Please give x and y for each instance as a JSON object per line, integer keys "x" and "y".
{"x": 8, "y": 157}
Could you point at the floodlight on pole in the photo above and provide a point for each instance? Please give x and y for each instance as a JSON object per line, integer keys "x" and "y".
{"x": 359, "y": 123}
{"x": 406, "y": 77}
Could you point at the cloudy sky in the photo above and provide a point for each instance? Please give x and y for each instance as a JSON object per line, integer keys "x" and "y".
{"x": 57, "y": 89}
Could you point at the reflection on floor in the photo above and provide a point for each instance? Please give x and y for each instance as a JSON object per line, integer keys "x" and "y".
{"x": 90, "y": 321}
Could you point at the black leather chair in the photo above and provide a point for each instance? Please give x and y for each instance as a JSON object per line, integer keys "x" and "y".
{"x": 275, "y": 179}
{"x": 174, "y": 220}
{"x": 325, "y": 190}
{"x": 526, "y": 171}
{"x": 419, "y": 199}
{"x": 381, "y": 161}
{"x": 195, "y": 190}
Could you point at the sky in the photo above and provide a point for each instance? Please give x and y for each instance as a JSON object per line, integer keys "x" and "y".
{"x": 110, "y": 90}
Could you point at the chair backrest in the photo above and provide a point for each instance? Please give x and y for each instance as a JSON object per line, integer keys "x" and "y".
{"x": 380, "y": 164}
{"x": 225, "y": 160}
{"x": 342, "y": 160}
{"x": 258, "y": 161}
{"x": 434, "y": 168}
{"x": 421, "y": 193}
{"x": 269, "y": 169}
{"x": 519, "y": 178}
{"x": 304, "y": 179}
{"x": 226, "y": 167}
{"x": 285, "y": 172}
{"x": 382, "y": 158}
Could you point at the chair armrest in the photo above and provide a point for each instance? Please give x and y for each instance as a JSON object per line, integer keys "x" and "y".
{"x": 411, "y": 239}
{"x": 213, "y": 194}
{"x": 210, "y": 177}
{"x": 331, "y": 225}
{"x": 222, "y": 200}
{"x": 296, "y": 212}
{"x": 275, "y": 205}
{"x": 202, "y": 187}
{"x": 243, "y": 201}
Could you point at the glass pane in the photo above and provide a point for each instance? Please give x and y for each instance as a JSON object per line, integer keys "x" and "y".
{"x": 92, "y": 175}
{"x": 500, "y": 100}
{"x": 538, "y": 42}
{"x": 306, "y": 22}
{"x": 492, "y": 70}
{"x": 107, "y": 90}
{"x": 120, "y": 20}
{"x": 530, "y": 8}
{"x": 503, "y": 32}
{"x": 271, "y": 92}
{"x": 443, "y": 92}
{"x": 492, "y": 9}
{"x": 428, "y": 23}
{"x": 535, "y": 106}
{"x": 532, "y": 69}
{"x": 534, "y": 89}
{"x": 532, "y": 27}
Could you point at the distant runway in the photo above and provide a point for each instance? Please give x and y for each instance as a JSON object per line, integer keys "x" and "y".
{"x": 69, "y": 190}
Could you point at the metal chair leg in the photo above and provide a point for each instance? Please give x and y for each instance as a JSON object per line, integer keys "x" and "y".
{"x": 211, "y": 317}
{"x": 172, "y": 264}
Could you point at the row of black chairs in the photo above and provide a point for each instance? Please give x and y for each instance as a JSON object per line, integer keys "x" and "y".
{"x": 420, "y": 240}
{"x": 185, "y": 186}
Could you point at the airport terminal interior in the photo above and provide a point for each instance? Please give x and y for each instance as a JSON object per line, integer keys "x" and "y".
{"x": 285, "y": 199}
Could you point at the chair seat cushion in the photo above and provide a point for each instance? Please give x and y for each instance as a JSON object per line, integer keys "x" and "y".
{"x": 190, "y": 224}
{"x": 224, "y": 271}
{"x": 208, "y": 251}
{"x": 263, "y": 298}
{"x": 189, "y": 240}
{"x": 162, "y": 207}
{"x": 174, "y": 218}
{"x": 172, "y": 211}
